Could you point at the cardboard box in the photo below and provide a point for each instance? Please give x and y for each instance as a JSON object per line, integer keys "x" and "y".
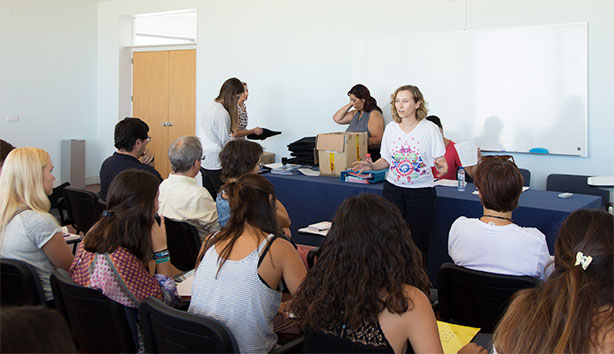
{"x": 267, "y": 157}
{"x": 337, "y": 151}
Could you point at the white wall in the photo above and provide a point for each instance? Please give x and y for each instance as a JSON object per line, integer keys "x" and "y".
{"x": 296, "y": 57}
{"x": 48, "y": 75}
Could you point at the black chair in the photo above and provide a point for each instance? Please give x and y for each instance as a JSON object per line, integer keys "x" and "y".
{"x": 474, "y": 298}
{"x": 168, "y": 330}
{"x": 526, "y": 176}
{"x": 57, "y": 204}
{"x": 311, "y": 257}
{"x": 20, "y": 284}
{"x": 98, "y": 324}
{"x": 183, "y": 244}
{"x": 83, "y": 208}
{"x": 576, "y": 184}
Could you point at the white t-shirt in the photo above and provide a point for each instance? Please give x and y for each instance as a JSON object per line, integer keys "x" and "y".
{"x": 182, "y": 199}
{"x": 412, "y": 155}
{"x": 24, "y": 238}
{"x": 508, "y": 249}
{"x": 216, "y": 133}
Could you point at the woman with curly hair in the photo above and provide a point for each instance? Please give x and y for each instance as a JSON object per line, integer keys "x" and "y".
{"x": 411, "y": 145}
{"x": 573, "y": 311}
{"x": 382, "y": 306}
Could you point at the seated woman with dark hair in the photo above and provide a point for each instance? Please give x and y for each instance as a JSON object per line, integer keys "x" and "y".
{"x": 572, "y": 311}
{"x": 493, "y": 243}
{"x": 367, "y": 290}
{"x": 114, "y": 254}
{"x": 238, "y": 158}
{"x": 238, "y": 279}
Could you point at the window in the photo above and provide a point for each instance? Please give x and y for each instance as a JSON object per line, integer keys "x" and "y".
{"x": 176, "y": 27}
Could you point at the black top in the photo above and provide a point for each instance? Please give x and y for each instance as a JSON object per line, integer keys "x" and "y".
{"x": 367, "y": 338}
{"x": 117, "y": 163}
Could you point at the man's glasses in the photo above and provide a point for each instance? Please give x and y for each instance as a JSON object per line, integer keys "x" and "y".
{"x": 148, "y": 139}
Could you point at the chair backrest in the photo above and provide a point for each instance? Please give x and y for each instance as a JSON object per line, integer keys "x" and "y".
{"x": 168, "y": 330}
{"x": 526, "y": 176}
{"x": 474, "y": 298}
{"x": 98, "y": 324}
{"x": 311, "y": 257}
{"x": 83, "y": 208}
{"x": 183, "y": 244}
{"x": 575, "y": 184}
{"x": 20, "y": 284}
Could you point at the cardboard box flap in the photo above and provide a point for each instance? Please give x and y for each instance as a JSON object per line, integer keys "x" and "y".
{"x": 331, "y": 142}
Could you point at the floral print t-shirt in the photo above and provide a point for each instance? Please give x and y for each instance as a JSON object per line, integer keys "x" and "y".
{"x": 412, "y": 155}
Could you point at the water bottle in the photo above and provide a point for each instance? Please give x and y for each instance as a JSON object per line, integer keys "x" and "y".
{"x": 460, "y": 177}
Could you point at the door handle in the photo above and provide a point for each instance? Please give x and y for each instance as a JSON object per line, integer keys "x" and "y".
{"x": 164, "y": 124}
{"x": 170, "y": 124}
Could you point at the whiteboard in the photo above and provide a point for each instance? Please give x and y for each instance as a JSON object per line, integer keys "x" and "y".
{"x": 510, "y": 89}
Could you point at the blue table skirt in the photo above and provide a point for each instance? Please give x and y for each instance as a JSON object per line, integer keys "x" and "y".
{"x": 313, "y": 199}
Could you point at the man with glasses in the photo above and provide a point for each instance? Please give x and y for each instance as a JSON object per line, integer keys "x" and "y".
{"x": 131, "y": 140}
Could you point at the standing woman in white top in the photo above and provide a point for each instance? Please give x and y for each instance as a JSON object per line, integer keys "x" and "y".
{"x": 239, "y": 127}
{"x": 217, "y": 131}
{"x": 411, "y": 145}
{"x": 27, "y": 231}
{"x": 239, "y": 278}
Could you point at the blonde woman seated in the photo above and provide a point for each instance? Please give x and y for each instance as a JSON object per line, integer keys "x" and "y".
{"x": 367, "y": 290}
{"x": 238, "y": 280}
{"x": 493, "y": 243}
{"x": 27, "y": 231}
{"x": 572, "y": 311}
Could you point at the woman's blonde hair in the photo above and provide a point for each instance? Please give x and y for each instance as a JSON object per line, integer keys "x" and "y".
{"x": 21, "y": 183}
{"x": 421, "y": 112}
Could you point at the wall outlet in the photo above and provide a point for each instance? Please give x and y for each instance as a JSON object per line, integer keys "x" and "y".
{"x": 12, "y": 117}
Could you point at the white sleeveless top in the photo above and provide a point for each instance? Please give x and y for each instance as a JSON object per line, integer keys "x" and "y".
{"x": 237, "y": 298}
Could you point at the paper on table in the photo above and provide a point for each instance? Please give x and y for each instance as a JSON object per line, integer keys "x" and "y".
{"x": 322, "y": 225}
{"x": 524, "y": 188}
{"x": 467, "y": 152}
{"x": 446, "y": 182}
{"x": 453, "y": 337}
{"x": 184, "y": 289}
{"x": 308, "y": 172}
{"x": 321, "y": 228}
{"x": 308, "y": 230}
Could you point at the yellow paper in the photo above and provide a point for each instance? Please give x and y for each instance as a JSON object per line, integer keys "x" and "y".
{"x": 453, "y": 337}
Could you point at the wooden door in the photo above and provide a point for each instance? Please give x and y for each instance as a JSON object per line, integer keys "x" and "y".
{"x": 150, "y": 101}
{"x": 164, "y": 96}
{"x": 182, "y": 93}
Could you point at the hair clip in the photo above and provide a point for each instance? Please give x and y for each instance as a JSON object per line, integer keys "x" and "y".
{"x": 107, "y": 213}
{"x": 583, "y": 260}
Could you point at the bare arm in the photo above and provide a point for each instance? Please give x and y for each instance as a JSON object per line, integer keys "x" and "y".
{"x": 441, "y": 165}
{"x": 158, "y": 242}
{"x": 293, "y": 269}
{"x": 421, "y": 324}
{"x": 58, "y": 252}
{"x": 364, "y": 165}
{"x": 344, "y": 115}
{"x": 283, "y": 219}
{"x": 376, "y": 128}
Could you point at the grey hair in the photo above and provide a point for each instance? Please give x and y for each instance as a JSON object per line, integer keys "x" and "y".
{"x": 183, "y": 152}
